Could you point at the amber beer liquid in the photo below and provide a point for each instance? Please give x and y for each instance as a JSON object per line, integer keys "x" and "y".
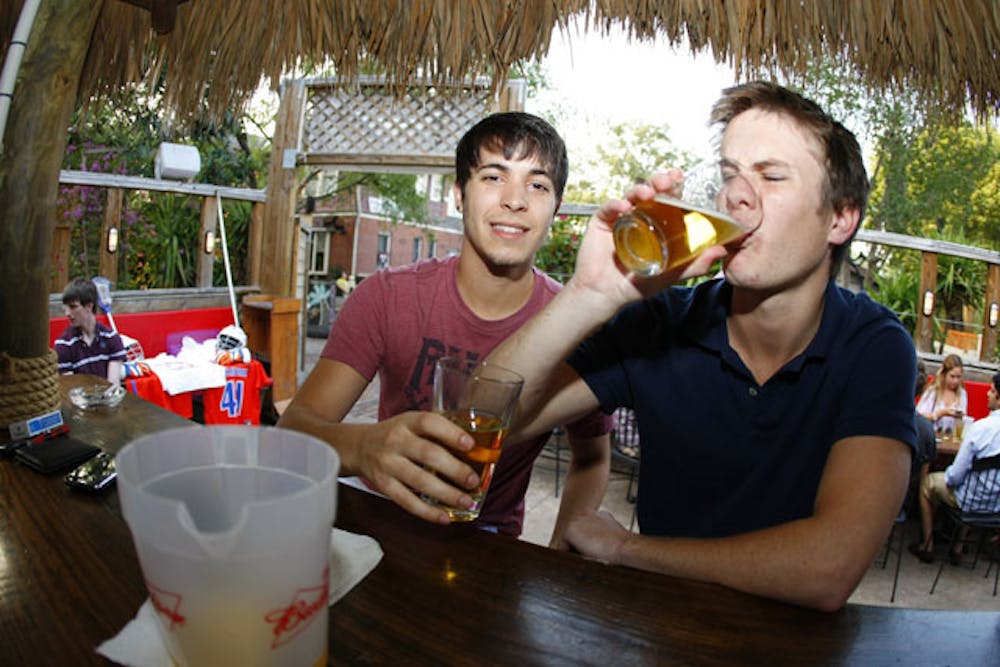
{"x": 663, "y": 233}
{"x": 488, "y": 432}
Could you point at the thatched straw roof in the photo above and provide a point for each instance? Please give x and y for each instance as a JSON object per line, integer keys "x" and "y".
{"x": 947, "y": 49}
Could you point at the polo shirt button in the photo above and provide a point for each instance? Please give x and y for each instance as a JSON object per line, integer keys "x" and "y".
{"x": 753, "y": 391}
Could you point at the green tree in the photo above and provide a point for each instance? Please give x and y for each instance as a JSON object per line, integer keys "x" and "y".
{"x": 934, "y": 175}
{"x": 558, "y": 256}
{"x": 633, "y": 153}
{"x": 399, "y": 192}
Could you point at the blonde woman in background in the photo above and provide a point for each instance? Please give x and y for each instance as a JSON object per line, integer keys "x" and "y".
{"x": 945, "y": 399}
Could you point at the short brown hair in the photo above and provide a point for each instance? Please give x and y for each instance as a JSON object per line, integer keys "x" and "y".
{"x": 82, "y": 291}
{"x": 846, "y": 184}
{"x": 518, "y": 135}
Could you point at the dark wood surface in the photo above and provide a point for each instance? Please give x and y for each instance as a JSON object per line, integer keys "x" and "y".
{"x": 947, "y": 447}
{"x": 452, "y": 595}
{"x": 69, "y": 577}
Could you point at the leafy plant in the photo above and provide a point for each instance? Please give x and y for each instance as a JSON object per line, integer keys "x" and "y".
{"x": 319, "y": 301}
{"x": 168, "y": 246}
{"x": 558, "y": 256}
{"x": 160, "y": 240}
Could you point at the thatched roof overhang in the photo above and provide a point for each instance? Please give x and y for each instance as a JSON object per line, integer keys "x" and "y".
{"x": 218, "y": 52}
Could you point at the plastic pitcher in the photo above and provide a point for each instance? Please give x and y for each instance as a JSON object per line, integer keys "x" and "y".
{"x": 232, "y": 528}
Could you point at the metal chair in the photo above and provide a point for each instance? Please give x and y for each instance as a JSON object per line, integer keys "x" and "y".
{"x": 978, "y": 509}
{"x": 556, "y": 440}
{"x": 625, "y": 449}
{"x": 891, "y": 545}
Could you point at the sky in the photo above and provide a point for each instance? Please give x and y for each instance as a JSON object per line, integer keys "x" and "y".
{"x": 600, "y": 81}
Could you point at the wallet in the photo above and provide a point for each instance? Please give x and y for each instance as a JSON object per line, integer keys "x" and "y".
{"x": 55, "y": 455}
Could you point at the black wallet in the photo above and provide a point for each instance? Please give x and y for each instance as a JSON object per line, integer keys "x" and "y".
{"x": 55, "y": 455}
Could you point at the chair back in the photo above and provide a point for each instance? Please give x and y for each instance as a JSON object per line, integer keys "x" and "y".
{"x": 625, "y": 432}
{"x": 980, "y": 494}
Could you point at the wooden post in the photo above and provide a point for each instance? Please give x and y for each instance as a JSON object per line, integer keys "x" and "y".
{"x": 60, "y": 257}
{"x": 928, "y": 283}
{"x": 254, "y": 248}
{"x": 209, "y": 223}
{"x": 34, "y": 142}
{"x": 988, "y": 347}
{"x": 277, "y": 274}
{"x": 108, "y": 264}
{"x": 272, "y": 327}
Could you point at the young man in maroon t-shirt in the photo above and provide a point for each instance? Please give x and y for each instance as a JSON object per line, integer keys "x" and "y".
{"x": 511, "y": 171}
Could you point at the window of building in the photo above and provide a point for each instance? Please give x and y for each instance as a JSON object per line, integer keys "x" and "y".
{"x": 319, "y": 253}
{"x": 451, "y": 210}
{"x": 432, "y": 246}
{"x": 436, "y": 188}
{"x": 418, "y": 244}
{"x": 383, "y": 249}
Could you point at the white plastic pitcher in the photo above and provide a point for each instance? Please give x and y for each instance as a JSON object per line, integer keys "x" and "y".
{"x": 232, "y": 528}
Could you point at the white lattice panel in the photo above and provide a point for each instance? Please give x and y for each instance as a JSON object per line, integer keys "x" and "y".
{"x": 367, "y": 125}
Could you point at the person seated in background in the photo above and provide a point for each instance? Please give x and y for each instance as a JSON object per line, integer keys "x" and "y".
{"x": 945, "y": 400}
{"x": 511, "y": 172}
{"x": 775, "y": 408}
{"x": 345, "y": 284}
{"x": 926, "y": 450}
{"x": 982, "y": 440}
{"x": 87, "y": 346}
{"x": 926, "y": 441}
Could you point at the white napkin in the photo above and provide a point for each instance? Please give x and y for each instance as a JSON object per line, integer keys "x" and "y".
{"x": 139, "y": 643}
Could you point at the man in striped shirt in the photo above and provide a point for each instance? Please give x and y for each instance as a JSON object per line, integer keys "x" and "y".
{"x": 87, "y": 346}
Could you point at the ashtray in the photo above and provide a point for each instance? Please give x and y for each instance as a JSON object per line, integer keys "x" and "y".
{"x": 97, "y": 396}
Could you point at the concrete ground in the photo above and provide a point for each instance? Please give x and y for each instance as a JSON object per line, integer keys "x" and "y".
{"x": 960, "y": 587}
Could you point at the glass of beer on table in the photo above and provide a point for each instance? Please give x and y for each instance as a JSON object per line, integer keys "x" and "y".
{"x": 481, "y": 399}
{"x": 959, "y": 424}
{"x": 718, "y": 207}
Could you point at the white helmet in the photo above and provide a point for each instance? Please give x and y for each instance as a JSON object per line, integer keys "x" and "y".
{"x": 230, "y": 338}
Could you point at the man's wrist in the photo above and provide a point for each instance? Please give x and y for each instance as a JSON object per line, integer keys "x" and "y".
{"x": 624, "y": 554}
{"x": 585, "y": 299}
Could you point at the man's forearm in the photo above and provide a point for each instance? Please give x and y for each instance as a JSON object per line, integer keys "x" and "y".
{"x": 815, "y": 561}
{"x": 347, "y": 439}
{"x": 538, "y": 351}
{"x": 585, "y": 485}
{"x": 783, "y": 563}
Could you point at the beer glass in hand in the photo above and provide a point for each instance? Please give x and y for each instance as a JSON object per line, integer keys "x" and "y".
{"x": 480, "y": 399}
{"x": 663, "y": 232}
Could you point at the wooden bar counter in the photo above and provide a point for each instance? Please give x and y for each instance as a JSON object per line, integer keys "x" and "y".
{"x": 69, "y": 579}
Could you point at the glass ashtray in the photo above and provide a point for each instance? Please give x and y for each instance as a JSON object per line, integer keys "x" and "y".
{"x": 96, "y": 396}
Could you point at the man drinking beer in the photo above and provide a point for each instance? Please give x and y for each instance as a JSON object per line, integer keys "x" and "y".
{"x": 775, "y": 408}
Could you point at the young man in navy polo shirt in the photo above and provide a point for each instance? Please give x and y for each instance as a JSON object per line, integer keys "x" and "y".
{"x": 775, "y": 409}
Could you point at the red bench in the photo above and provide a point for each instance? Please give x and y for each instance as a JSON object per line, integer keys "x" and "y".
{"x": 978, "y": 405}
{"x": 160, "y": 331}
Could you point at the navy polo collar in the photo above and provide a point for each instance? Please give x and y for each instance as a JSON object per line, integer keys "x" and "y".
{"x": 710, "y": 331}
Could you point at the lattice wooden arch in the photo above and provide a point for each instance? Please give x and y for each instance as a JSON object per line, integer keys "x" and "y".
{"x": 365, "y": 127}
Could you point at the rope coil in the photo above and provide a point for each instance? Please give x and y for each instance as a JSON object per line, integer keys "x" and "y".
{"x": 28, "y": 387}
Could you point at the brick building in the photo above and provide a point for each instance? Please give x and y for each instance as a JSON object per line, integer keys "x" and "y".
{"x": 354, "y": 233}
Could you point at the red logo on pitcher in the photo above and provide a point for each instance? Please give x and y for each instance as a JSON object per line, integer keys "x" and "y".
{"x": 290, "y": 621}
{"x": 166, "y": 604}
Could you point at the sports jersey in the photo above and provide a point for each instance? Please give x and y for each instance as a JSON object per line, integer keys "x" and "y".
{"x": 238, "y": 400}
{"x": 148, "y": 387}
